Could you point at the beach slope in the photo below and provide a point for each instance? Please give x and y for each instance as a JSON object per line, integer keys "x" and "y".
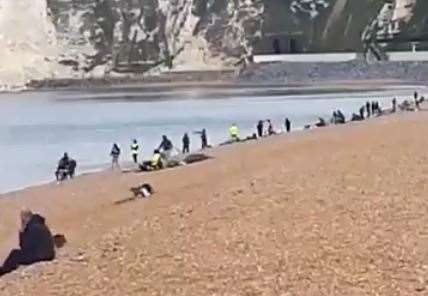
{"x": 335, "y": 211}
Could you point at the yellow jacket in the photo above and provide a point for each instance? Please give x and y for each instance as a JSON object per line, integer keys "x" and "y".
{"x": 156, "y": 159}
{"x": 234, "y": 131}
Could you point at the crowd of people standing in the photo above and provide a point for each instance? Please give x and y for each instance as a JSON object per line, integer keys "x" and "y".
{"x": 263, "y": 128}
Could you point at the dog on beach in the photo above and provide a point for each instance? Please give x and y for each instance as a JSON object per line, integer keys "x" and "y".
{"x": 145, "y": 190}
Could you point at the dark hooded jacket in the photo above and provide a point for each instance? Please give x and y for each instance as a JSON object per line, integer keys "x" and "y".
{"x": 36, "y": 241}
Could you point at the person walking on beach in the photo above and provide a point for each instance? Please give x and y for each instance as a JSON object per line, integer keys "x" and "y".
{"x": 394, "y": 105}
{"x": 234, "y": 132}
{"x": 287, "y": 125}
{"x": 186, "y": 144}
{"x": 135, "y": 150}
{"x": 204, "y": 139}
{"x": 260, "y": 128}
{"x": 115, "y": 153}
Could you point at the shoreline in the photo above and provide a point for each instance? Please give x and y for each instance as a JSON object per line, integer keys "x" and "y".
{"x": 129, "y": 166}
{"x": 345, "y": 85}
{"x": 104, "y": 167}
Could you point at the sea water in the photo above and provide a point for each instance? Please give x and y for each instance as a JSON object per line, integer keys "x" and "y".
{"x": 36, "y": 128}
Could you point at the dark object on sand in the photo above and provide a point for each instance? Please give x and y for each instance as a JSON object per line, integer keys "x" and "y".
{"x": 143, "y": 191}
{"x": 59, "y": 240}
{"x": 356, "y": 117}
{"x": 406, "y": 106}
{"x": 35, "y": 241}
{"x": 251, "y": 138}
{"x": 197, "y": 157}
{"x": 321, "y": 122}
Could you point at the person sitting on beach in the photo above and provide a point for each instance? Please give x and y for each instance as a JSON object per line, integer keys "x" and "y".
{"x": 154, "y": 164}
{"x": 115, "y": 153}
{"x": 234, "y": 133}
{"x": 356, "y": 117}
{"x": 36, "y": 243}
{"x": 321, "y": 122}
{"x": 340, "y": 117}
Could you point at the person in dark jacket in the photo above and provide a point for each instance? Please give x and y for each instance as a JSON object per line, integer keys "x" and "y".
{"x": 260, "y": 128}
{"x": 287, "y": 125}
{"x": 204, "y": 139}
{"x": 66, "y": 168}
{"x": 166, "y": 144}
{"x": 115, "y": 153}
{"x": 362, "y": 112}
{"x": 186, "y": 144}
{"x": 36, "y": 243}
{"x": 368, "y": 109}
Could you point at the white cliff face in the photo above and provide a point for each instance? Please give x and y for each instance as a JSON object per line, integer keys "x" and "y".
{"x": 79, "y": 38}
{"x": 28, "y": 42}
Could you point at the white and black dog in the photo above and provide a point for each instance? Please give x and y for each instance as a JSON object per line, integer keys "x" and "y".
{"x": 143, "y": 191}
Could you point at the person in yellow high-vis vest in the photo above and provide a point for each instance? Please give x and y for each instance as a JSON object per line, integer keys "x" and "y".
{"x": 234, "y": 132}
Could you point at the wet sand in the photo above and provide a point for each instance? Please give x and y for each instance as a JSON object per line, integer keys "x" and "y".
{"x": 334, "y": 211}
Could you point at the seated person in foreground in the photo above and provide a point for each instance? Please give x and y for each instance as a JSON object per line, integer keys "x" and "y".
{"x": 36, "y": 243}
{"x": 154, "y": 164}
